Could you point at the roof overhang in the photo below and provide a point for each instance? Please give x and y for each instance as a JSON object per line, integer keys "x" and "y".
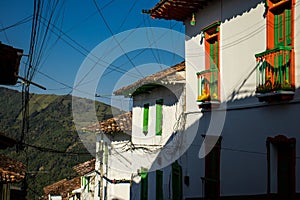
{"x": 179, "y": 10}
{"x": 170, "y": 75}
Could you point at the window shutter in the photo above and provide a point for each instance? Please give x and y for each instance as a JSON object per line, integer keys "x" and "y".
{"x": 275, "y": 30}
{"x": 146, "y": 118}
{"x": 211, "y": 55}
{"x": 159, "y": 117}
{"x": 288, "y": 27}
{"x": 217, "y": 54}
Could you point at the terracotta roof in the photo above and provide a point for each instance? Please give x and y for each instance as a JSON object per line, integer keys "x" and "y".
{"x": 179, "y": 10}
{"x": 120, "y": 123}
{"x": 153, "y": 80}
{"x": 11, "y": 171}
{"x": 86, "y": 167}
{"x": 63, "y": 187}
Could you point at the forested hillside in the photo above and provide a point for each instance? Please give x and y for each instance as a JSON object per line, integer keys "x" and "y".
{"x": 51, "y": 128}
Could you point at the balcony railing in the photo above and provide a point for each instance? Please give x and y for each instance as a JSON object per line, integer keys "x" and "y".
{"x": 208, "y": 86}
{"x": 275, "y": 71}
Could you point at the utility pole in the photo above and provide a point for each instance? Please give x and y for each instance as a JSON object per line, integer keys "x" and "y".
{"x": 101, "y": 165}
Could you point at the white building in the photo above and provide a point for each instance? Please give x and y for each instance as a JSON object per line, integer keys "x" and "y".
{"x": 157, "y": 123}
{"x": 87, "y": 174}
{"x": 242, "y": 80}
{"x": 111, "y": 180}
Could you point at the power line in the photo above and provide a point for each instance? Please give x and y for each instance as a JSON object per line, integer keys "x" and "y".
{"x": 22, "y": 21}
{"x": 50, "y": 150}
{"x": 83, "y": 51}
{"x": 113, "y": 36}
{"x": 127, "y": 15}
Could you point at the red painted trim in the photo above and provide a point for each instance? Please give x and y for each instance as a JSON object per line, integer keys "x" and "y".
{"x": 210, "y": 35}
{"x": 270, "y": 28}
{"x": 207, "y": 54}
{"x": 270, "y": 33}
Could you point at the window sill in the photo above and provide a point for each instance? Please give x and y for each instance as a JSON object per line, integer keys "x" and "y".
{"x": 275, "y": 96}
{"x": 208, "y": 104}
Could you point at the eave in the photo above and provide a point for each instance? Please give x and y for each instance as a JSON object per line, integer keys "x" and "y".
{"x": 179, "y": 10}
{"x": 169, "y": 75}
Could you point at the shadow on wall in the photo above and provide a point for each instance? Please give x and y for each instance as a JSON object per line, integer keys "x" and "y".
{"x": 168, "y": 94}
{"x": 228, "y": 10}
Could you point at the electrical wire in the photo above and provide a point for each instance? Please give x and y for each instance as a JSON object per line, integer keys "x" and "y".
{"x": 126, "y": 15}
{"x": 84, "y": 51}
{"x": 5, "y": 35}
{"x": 113, "y": 36}
{"x": 22, "y": 21}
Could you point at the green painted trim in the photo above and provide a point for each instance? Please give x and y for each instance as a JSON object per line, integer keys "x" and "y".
{"x": 286, "y": 48}
{"x": 211, "y": 55}
{"x": 159, "y": 117}
{"x": 145, "y": 118}
{"x": 206, "y": 71}
{"x": 288, "y": 27}
{"x": 211, "y": 26}
{"x": 275, "y": 30}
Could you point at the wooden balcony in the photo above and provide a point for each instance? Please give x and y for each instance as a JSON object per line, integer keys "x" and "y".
{"x": 208, "y": 88}
{"x": 275, "y": 74}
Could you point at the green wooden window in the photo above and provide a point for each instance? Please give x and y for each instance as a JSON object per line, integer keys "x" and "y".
{"x": 283, "y": 28}
{"x": 214, "y": 62}
{"x": 176, "y": 181}
{"x": 85, "y": 182}
{"x": 288, "y": 27}
{"x": 159, "y": 185}
{"x": 145, "y": 118}
{"x": 214, "y": 54}
{"x": 144, "y": 185}
{"x": 105, "y": 153}
{"x": 159, "y": 117}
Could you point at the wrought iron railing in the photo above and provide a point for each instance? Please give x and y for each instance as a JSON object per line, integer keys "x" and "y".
{"x": 275, "y": 70}
{"x": 208, "y": 89}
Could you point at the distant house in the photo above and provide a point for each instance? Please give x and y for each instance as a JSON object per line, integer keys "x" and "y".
{"x": 78, "y": 188}
{"x": 11, "y": 172}
{"x": 88, "y": 183}
{"x": 62, "y": 190}
{"x": 157, "y": 117}
{"x": 111, "y": 183}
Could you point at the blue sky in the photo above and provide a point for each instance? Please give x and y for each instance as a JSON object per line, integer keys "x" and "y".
{"x": 81, "y": 28}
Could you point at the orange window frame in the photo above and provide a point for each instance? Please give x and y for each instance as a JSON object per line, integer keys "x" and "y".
{"x": 212, "y": 40}
{"x": 273, "y": 6}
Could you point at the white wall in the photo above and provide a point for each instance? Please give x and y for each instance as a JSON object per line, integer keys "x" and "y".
{"x": 248, "y": 122}
{"x": 241, "y": 38}
{"x": 242, "y": 35}
{"x": 172, "y": 108}
{"x": 113, "y": 168}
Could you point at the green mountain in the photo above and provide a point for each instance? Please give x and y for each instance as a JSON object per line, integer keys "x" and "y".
{"x": 50, "y": 128}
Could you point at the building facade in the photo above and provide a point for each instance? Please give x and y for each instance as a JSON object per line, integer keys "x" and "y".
{"x": 157, "y": 125}
{"x": 242, "y": 69}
